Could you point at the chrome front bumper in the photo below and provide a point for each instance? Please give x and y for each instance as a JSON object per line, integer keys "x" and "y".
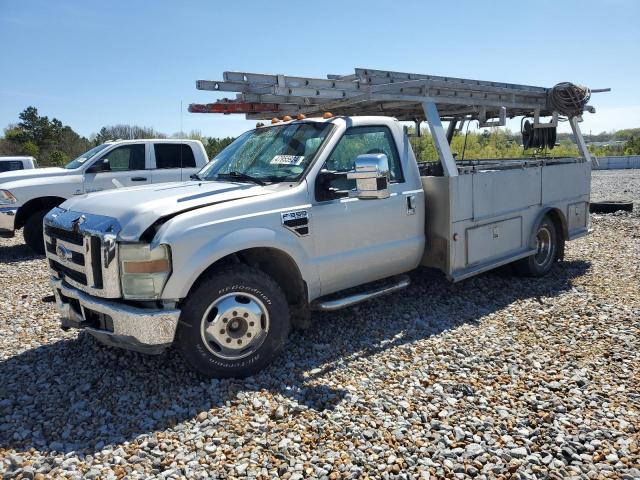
{"x": 113, "y": 323}
{"x": 7, "y": 221}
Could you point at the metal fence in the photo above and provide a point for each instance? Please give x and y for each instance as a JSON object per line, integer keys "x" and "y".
{"x": 616, "y": 163}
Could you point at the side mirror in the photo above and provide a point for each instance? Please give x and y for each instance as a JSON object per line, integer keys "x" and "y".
{"x": 99, "y": 166}
{"x": 371, "y": 173}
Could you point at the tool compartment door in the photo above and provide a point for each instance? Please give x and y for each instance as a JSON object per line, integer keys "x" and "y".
{"x": 493, "y": 240}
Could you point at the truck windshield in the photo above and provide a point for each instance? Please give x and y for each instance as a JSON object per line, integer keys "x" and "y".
{"x": 78, "y": 162}
{"x": 272, "y": 154}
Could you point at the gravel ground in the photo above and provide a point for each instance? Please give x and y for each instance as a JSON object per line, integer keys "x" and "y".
{"x": 495, "y": 377}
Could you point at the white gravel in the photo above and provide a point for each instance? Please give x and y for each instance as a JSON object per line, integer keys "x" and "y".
{"x": 494, "y": 377}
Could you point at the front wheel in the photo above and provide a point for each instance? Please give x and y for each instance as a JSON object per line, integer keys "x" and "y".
{"x": 546, "y": 245}
{"x": 234, "y": 323}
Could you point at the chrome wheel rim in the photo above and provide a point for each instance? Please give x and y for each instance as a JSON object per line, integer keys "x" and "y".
{"x": 544, "y": 247}
{"x": 234, "y": 326}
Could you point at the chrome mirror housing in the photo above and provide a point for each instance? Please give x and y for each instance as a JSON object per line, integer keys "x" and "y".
{"x": 371, "y": 173}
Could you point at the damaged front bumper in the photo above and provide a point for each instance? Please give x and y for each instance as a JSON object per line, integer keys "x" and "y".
{"x": 114, "y": 323}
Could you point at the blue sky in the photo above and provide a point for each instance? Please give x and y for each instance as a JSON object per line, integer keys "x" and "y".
{"x": 92, "y": 64}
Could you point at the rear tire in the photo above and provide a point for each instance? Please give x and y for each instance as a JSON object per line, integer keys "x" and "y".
{"x": 33, "y": 231}
{"x": 545, "y": 239}
{"x": 234, "y": 323}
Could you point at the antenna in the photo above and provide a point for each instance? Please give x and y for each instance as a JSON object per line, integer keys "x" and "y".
{"x": 181, "y": 132}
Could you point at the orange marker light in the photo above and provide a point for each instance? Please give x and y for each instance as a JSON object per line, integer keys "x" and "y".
{"x": 327, "y": 115}
{"x": 274, "y": 120}
{"x": 301, "y": 116}
{"x": 286, "y": 118}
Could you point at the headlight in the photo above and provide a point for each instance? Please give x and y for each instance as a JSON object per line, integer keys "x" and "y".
{"x": 144, "y": 270}
{"x": 6, "y": 197}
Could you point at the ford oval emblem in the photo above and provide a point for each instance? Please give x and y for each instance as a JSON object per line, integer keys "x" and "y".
{"x": 64, "y": 253}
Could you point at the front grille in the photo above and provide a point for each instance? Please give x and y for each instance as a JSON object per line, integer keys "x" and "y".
{"x": 76, "y": 257}
{"x": 82, "y": 250}
{"x": 66, "y": 272}
{"x": 65, "y": 235}
{"x": 96, "y": 262}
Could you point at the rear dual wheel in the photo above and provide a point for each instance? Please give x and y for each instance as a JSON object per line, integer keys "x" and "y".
{"x": 234, "y": 323}
{"x": 546, "y": 245}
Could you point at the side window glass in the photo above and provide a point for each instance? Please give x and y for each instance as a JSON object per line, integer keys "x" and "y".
{"x": 174, "y": 155}
{"x": 11, "y": 165}
{"x": 127, "y": 157}
{"x": 361, "y": 140}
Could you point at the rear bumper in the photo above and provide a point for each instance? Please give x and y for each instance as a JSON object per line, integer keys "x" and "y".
{"x": 117, "y": 324}
{"x": 8, "y": 221}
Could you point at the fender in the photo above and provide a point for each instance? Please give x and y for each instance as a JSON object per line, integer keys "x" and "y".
{"x": 561, "y": 217}
{"x": 189, "y": 265}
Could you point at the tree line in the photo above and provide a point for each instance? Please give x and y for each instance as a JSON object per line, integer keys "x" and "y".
{"x": 55, "y": 144}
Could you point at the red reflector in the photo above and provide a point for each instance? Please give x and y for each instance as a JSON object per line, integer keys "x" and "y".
{"x": 233, "y": 107}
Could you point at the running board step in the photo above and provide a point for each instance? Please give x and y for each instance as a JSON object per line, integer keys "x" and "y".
{"x": 398, "y": 283}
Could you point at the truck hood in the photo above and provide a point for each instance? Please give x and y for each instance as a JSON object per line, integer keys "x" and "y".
{"x": 137, "y": 208}
{"x": 6, "y": 177}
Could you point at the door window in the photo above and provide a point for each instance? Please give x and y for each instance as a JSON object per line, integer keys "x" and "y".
{"x": 358, "y": 141}
{"x": 10, "y": 165}
{"x": 174, "y": 155}
{"x": 361, "y": 140}
{"x": 127, "y": 157}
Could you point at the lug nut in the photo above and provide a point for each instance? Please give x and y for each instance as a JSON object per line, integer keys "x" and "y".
{"x": 239, "y": 342}
{"x": 228, "y": 340}
{"x": 248, "y": 334}
{"x": 245, "y": 315}
{"x": 251, "y": 324}
{"x": 222, "y": 331}
{"x": 235, "y": 313}
{"x": 225, "y": 320}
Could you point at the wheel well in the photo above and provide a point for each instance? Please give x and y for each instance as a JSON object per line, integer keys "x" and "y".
{"x": 275, "y": 263}
{"x": 560, "y": 222}
{"x": 36, "y": 205}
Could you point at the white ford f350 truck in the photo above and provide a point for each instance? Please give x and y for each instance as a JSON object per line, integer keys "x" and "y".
{"x": 27, "y": 195}
{"x": 294, "y": 213}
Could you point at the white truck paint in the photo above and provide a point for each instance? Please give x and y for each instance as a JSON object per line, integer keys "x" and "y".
{"x": 232, "y": 259}
{"x": 26, "y": 195}
{"x": 11, "y": 164}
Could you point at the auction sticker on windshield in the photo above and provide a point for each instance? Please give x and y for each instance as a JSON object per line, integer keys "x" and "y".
{"x": 287, "y": 160}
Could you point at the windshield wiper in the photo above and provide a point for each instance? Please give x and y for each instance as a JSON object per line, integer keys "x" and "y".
{"x": 241, "y": 176}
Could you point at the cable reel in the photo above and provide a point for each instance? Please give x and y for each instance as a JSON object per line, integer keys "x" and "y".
{"x": 538, "y": 138}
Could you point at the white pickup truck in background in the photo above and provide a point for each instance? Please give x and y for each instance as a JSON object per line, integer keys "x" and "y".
{"x": 11, "y": 164}
{"x": 27, "y": 195}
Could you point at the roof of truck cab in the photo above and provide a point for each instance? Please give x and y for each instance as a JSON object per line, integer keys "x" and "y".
{"x": 157, "y": 140}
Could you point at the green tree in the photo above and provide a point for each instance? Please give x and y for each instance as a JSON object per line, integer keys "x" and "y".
{"x": 632, "y": 146}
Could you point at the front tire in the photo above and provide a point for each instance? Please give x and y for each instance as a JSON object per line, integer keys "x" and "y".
{"x": 546, "y": 244}
{"x": 33, "y": 231}
{"x": 234, "y": 323}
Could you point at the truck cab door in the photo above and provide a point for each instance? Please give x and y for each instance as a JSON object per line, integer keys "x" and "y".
{"x": 359, "y": 241}
{"x": 124, "y": 166}
{"x": 173, "y": 162}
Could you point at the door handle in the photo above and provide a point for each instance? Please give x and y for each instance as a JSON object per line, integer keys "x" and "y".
{"x": 139, "y": 179}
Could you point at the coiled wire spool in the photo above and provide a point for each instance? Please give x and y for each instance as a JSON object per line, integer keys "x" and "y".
{"x": 537, "y": 137}
{"x": 569, "y": 99}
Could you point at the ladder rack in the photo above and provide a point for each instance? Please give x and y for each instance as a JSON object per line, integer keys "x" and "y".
{"x": 373, "y": 92}
{"x": 405, "y": 96}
